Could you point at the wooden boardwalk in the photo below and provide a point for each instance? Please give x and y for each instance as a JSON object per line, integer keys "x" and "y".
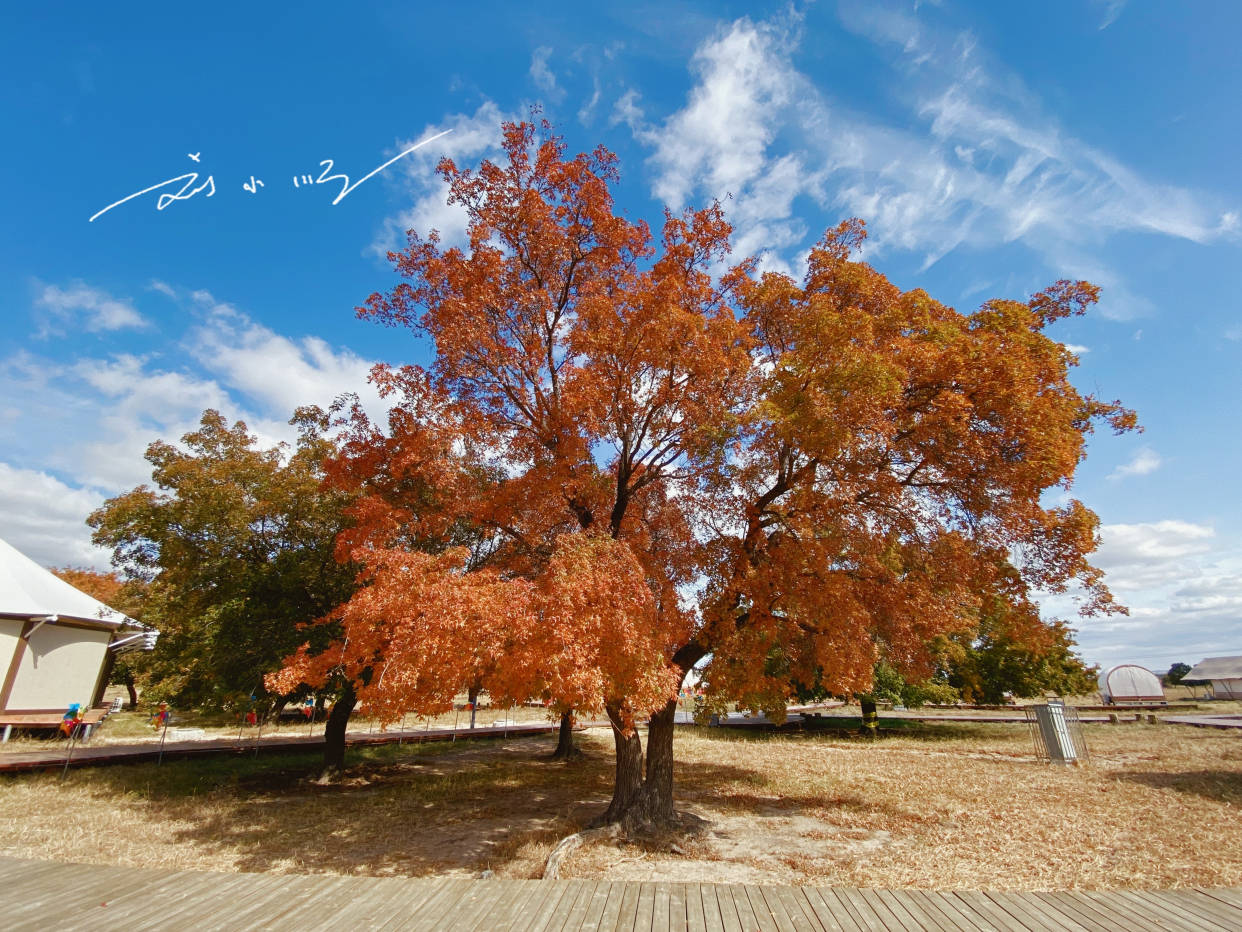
{"x": 40, "y": 895}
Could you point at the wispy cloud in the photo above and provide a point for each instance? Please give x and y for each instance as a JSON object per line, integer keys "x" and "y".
{"x": 541, "y": 73}
{"x": 474, "y": 137}
{"x": 1109, "y": 11}
{"x": 978, "y": 163}
{"x": 1143, "y": 462}
{"x": 82, "y": 307}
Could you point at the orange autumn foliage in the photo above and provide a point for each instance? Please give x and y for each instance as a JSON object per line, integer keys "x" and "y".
{"x": 587, "y": 633}
{"x": 648, "y": 458}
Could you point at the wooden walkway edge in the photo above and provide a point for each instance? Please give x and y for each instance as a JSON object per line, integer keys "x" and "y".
{"x": 41, "y": 895}
{"x": 86, "y": 755}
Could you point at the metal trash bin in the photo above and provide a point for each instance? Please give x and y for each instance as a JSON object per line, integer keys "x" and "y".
{"x": 1056, "y": 732}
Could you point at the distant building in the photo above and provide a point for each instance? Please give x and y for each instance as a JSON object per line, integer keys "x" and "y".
{"x": 1223, "y": 673}
{"x": 56, "y": 642}
{"x": 1130, "y": 683}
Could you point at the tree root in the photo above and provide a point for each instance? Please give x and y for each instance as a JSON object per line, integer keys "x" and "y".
{"x": 566, "y": 846}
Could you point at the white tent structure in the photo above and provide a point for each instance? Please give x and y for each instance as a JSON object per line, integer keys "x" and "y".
{"x": 1130, "y": 683}
{"x": 1224, "y": 673}
{"x": 55, "y": 640}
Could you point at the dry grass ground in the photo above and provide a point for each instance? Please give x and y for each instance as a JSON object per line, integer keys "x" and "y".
{"x": 937, "y": 806}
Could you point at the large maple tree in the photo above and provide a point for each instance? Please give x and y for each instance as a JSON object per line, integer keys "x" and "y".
{"x": 628, "y": 459}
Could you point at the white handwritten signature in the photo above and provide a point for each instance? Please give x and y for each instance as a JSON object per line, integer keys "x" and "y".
{"x": 190, "y": 186}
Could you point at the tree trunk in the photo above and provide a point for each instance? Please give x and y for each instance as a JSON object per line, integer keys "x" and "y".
{"x": 628, "y": 786}
{"x": 565, "y": 749}
{"x": 133, "y": 693}
{"x": 870, "y": 720}
{"x": 472, "y": 694}
{"x": 334, "y": 732}
{"x": 641, "y": 802}
{"x": 657, "y": 806}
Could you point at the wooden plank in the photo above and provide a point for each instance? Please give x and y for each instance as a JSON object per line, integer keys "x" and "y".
{"x": 478, "y": 900}
{"x": 175, "y": 893}
{"x": 626, "y": 905}
{"x": 1231, "y": 896}
{"x": 978, "y": 904}
{"x": 543, "y": 898}
{"x": 1083, "y": 910}
{"x": 888, "y": 918}
{"x": 950, "y": 905}
{"x": 859, "y": 910}
{"x": 582, "y": 902}
{"x": 1206, "y": 906}
{"x": 944, "y": 914}
{"x": 730, "y": 919}
{"x": 542, "y": 909}
{"x": 696, "y": 917}
{"x": 1195, "y": 903}
{"x": 44, "y": 886}
{"x": 594, "y": 918}
{"x": 430, "y": 911}
{"x": 611, "y": 916}
{"x": 771, "y": 912}
{"x": 741, "y": 902}
{"x": 714, "y": 913}
{"x": 509, "y": 905}
{"x": 1151, "y": 914}
{"x": 208, "y": 900}
{"x": 318, "y": 905}
{"x": 832, "y": 916}
{"x": 1030, "y": 913}
{"x": 571, "y": 890}
{"x": 1174, "y": 902}
{"x": 392, "y": 895}
{"x": 765, "y": 919}
{"x": 661, "y": 906}
{"x": 645, "y": 907}
{"x": 677, "y": 913}
{"x": 920, "y": 916}
{"x": 256, "y": 897}
{"x": 795, "y": 905}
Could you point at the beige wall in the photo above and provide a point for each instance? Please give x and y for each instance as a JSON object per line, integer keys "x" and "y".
{"x": 10, "y": 631}
{"x": 60, "y": 667}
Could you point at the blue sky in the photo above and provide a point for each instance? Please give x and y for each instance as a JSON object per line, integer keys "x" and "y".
{"x": 991, "y": 148}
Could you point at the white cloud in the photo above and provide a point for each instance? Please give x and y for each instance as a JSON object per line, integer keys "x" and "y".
{"x": 276, "y": 373}
{"x": 1077, "y": 348}
{"x": 976, "y": 163}
{"x": 718, "y": 144}
{"x": 82, "y": 307}
{"x": 542, "y": 75}
{"x": 473, "y": 137}
{"x": 46, "y": 519}
{"x": 91, "y": 418}
{"x": 1143, "y": 554}
{"x": 1183, "y": 585}
{"x": 1144, "y": 461}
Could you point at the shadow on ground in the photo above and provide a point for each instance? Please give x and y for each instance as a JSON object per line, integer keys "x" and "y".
{"x": 1219, "y": 785}
{"x": 412, "y": 810}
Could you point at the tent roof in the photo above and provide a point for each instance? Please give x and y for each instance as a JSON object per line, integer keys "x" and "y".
{"x": 1216, "y": 668}
{"x": 27, "y": 590}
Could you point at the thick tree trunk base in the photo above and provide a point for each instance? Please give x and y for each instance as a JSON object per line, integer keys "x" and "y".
{"x": 334, "y": 734}
{"x": 565, "y": 748}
